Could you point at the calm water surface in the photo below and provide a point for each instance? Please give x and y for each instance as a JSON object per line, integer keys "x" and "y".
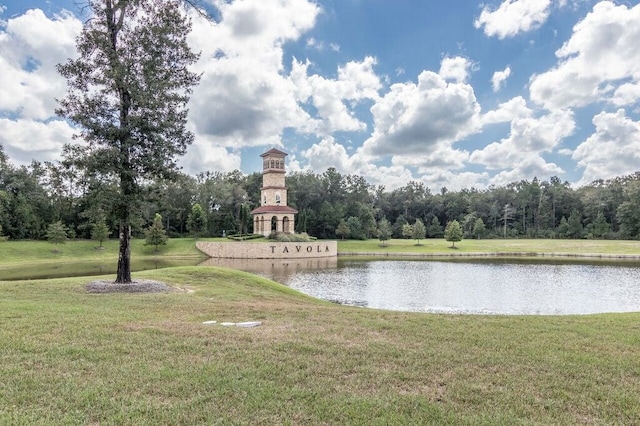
{"x": 482, "y": 287}
{"x": 469, "y": 287}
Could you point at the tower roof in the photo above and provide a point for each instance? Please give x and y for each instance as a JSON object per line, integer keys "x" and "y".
{"x": 274, "y": 152}
{"x": 273, "y": 209}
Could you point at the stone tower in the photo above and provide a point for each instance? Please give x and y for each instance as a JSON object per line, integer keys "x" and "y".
{"x": 273, "y": 215}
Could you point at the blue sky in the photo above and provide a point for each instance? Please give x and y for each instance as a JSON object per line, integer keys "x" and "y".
{"x": 470, "y": 95}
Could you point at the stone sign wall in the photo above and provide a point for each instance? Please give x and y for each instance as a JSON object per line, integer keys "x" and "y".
{"x": 268, "y": 250}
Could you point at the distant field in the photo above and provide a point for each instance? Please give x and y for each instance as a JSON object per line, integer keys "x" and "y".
{"x": 17, "y": 252}
{"x": 69, "y": 357}
{"x": 493, "y": 246}
{"x": 13, "y": 252}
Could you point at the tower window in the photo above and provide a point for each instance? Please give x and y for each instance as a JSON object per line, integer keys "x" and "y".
{"x": 277, "y": 198}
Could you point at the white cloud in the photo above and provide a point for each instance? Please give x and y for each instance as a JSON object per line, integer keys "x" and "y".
{"x": 455, "y": 181}
{"x": 612, "y": 150}
{"x": 499, "y": 78}
{"x": 244, "y": 98}
{"x": 601, "y": 54}
{"x": 31, "y": 45}
{"x": 442, "y": 157}
{"x": 455, "y": 69}
{"x": 329, "y": 153}
{"x": 507, "y": 111}
{"x": 356, "y": 81}
{"x": 204, "y": 155}
{"x": 415, "y": 119}
{"x": 529, "y": 166}
{"x": 25, "y": 139}
{"x": 513, "y": 17}
{"x": 627, "y": 94}
{"x": 528, "y": 140}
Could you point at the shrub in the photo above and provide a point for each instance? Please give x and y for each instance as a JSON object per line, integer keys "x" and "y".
{"x": 285, "y": 238}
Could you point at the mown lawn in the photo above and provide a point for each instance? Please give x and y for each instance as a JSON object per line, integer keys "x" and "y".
{"x": 23, "y": 252}
{"x": 506, "y": 246}
{"x": 16, "y": 252}
{"x": 69, "y": 357}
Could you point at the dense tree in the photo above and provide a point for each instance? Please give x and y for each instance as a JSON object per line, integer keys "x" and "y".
{"x": 628, "y": 213}
{"x": 599, "y": 228}
{"x": 355, "y": 229}
{"x": 508, "y": 213}
{"x": 127, "y": 93}
{"x": 435, "y": 229}
{"x": 478, "y": 228}
{"x": 407, "y": 230}
{"x": 563, "y": 227}
{"x": 398, "y": 226}
{"x": 57, "y": 233}
{"x": 453, "y": 232}
{"x": 368, "y": 221}
{"x": 38, "y": 194}
{"x": 100, "y": 230}
{"x": 418, "y": 231}
{"x": 197, "y": 220}
{"x": 156, "y": 235}
{"x": 244, "y": 218}
{"x": 342, "y": 230}
{"x": 384, "y": 230}
{"x": 574, "y": 225}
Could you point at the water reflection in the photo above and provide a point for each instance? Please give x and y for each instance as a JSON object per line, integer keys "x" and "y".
{"x": 466, "y": 287}
{"x": 279, "y": 270}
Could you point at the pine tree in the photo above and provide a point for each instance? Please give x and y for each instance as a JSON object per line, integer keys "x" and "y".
{"x": 407, "y": 231}
{"x": 478, "y": 228}
{"x": 435, "y": 229}
{"x": 156, "y": 234}
{"x": 57, "y": 233}
{"x": 384, "y": 230}
{"x": 127, "y": 93}
{"x": 342, "y": 230}
{"x": 99, "y": 231}
{"x": 197, "y": 220}
{"x": 418, "y": 231}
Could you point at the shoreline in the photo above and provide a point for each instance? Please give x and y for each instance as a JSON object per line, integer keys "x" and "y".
{"x": 492, "y": 254}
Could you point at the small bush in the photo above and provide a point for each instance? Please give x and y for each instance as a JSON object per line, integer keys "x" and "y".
{"x": 286, "y": 238}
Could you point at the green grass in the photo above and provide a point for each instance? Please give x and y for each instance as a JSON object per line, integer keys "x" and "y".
{"x": 21, "y": 252}
{"x": 16, "y": 252}
{"x": 507, "y": 246}
{"x": 69, "y": 357}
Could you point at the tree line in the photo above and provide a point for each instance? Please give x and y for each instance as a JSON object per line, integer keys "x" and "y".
{"x": 330, "y": 205}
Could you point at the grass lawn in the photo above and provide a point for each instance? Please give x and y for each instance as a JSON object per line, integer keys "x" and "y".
{"x": 69, "y": 357}
{"x": 16, "y": 252}
{"x": 507, "y": 246}
{"x": 21, "y": 252}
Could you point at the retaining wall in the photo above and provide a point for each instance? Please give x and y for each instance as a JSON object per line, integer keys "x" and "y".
{"x": 268, "y": 250}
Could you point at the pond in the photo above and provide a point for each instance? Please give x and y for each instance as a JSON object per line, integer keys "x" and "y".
{"x": 466, "y": 287}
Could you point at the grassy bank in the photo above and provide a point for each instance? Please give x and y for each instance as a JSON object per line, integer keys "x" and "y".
{"x": 16, "y": 252}
{"x": 440, "y": 246}
{"x": 69, "y": 357}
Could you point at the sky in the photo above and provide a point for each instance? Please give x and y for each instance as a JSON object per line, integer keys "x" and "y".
{"x": 452, "y": 94}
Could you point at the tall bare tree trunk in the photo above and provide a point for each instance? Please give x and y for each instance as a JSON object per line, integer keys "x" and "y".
{"x": 124, "y": 255}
